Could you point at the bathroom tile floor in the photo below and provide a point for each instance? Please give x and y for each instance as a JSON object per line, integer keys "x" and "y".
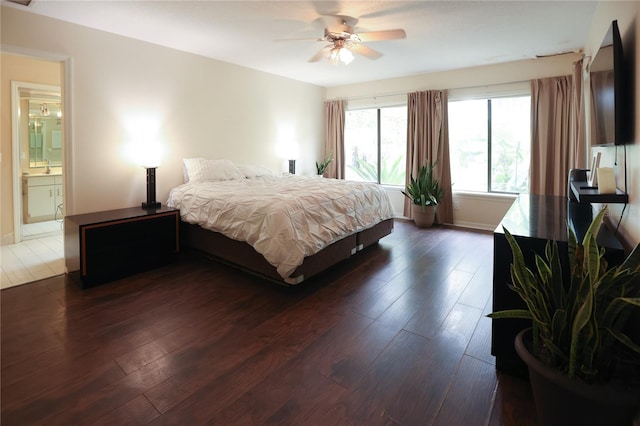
{"x": 40, "y": 255}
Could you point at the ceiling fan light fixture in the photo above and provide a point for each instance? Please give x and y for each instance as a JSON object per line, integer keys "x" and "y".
{"x": 343, "y": 42}
{"x": 339, "y": 55}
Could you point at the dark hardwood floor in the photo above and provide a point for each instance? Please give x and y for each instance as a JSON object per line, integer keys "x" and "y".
{"x": 394, "y": 336}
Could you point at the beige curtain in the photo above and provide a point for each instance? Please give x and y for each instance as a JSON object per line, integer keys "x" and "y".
{"x": 334, "y": 138}
{"x": 557, "y": 133}
{"x": 428, "y": 140}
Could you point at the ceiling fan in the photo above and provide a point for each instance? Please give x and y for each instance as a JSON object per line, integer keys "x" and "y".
{"x": 344, "y": 41}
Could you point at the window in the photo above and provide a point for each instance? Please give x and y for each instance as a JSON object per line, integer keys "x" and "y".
{"x": 489, "y": 144}
{"x": 375, "y": 145}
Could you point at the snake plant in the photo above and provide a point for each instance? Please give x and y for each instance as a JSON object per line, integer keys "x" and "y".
{"x": 322, "y": 167}
{"x": 424, "y": 190}
{"x": 578, "y": 326}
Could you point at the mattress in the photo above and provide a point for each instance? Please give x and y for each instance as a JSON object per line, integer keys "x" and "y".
{"x": 284, "y": 218}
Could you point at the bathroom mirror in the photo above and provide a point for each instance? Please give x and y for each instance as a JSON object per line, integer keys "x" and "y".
{"x": 41, "y": 128}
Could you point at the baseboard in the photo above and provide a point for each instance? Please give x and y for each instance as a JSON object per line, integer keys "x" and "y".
{"x": 7, "y": 239}
{"x": 475, "y": 225}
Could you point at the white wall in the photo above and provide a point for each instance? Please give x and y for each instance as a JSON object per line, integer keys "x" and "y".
{"x": 193, "y": 105}
{"x": 457, "y": 79}
{"x": 482, "y": 211}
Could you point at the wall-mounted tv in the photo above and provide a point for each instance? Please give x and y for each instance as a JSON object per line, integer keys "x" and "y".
{"x": 609, "y": 105}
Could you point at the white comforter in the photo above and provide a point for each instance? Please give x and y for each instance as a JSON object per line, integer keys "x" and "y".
{"x": 284, "y": 218}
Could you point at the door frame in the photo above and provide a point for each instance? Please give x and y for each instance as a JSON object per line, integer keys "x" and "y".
{"x": 66, "y": 62}
{"x": 16, "y": 87}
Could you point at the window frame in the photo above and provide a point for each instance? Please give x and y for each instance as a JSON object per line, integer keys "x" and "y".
{"x": 378, "y": 108}
{"x": 508, "y": 90}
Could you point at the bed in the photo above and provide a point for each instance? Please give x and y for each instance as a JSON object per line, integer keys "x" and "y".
{"x": 285, "y": 228}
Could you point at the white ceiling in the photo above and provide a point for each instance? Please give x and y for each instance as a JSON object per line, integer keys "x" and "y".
{"x": 441, "y": 35}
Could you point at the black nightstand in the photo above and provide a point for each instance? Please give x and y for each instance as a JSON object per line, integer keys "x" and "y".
{"x": 104, "y": 246}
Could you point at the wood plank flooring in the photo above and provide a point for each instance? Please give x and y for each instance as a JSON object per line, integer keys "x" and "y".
{"x": 396, "y": 335}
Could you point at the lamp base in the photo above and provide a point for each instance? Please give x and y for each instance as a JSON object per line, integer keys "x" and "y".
{"x": 155, "y": 205}
{"x": 151, "y": 190}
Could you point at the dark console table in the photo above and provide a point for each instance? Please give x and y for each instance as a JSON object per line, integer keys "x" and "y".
{"x": 533, "y": 220}
{"x": 107, "y": 245}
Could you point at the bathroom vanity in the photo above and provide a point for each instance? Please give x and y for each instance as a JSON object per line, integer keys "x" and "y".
{"x": 42, "y": 197}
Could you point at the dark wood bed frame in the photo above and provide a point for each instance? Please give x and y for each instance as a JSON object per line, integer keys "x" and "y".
{"x": 242, "y": 255}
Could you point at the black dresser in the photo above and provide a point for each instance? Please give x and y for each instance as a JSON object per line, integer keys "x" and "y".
{"x": 533, "y": 220}
{"x": 107, "y": 245}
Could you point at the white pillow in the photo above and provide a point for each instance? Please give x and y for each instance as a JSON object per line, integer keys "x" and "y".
{"x": 250, "y": 171}
{"x": 204, "y": 170}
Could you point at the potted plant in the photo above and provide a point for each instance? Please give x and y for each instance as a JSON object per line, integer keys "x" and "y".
{"x": 425, "y": 193}
{"x": 578, "y": 352}
{"x": 321, "y": 168}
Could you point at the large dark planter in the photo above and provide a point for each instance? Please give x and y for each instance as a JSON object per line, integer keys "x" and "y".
{"x": 563, "y": 401}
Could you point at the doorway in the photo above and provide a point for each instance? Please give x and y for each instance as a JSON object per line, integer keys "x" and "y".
{"x": 36, "y": 253}
{"x": 38, "y": 136}
{"x": 25, "y": 260}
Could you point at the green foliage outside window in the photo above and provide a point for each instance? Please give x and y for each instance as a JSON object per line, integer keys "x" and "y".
{"x": 505, "y": 174}
{"x": 392, "y": 172}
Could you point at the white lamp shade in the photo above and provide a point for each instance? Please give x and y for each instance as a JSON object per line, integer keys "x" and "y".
{"x": 152, "y": 159}
{"x": 147, "y": 155}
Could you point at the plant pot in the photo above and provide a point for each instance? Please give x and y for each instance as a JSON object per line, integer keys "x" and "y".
{"x": 563, "y": 401}
{"x": 423, "y": 219}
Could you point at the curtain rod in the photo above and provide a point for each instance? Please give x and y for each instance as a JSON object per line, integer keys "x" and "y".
{"x": 386, "y": 95}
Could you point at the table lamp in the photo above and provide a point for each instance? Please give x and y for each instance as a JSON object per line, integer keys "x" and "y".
{"x": 151, "y": 162}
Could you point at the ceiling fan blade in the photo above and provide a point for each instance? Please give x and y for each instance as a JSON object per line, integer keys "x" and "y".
{"x": 382, "y": 35}
{"x": 318, "y": 56}
{"x": 286, "y": 40}
{"x": 418, "y": 7}
{"x": 339, "y": 23}
{"x": 324, "y": 7}
{"x": 363, "y": 50}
